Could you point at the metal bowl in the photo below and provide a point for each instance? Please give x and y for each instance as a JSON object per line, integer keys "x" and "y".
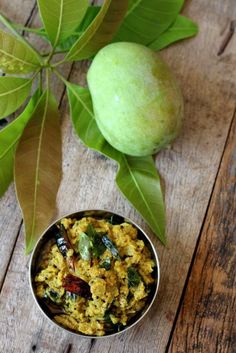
{"x": 48, "y": 234}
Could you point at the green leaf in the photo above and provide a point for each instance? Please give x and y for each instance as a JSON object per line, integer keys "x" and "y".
{"x": 11, "y": 26}
{"x": 137, "y": 177}
{"x": 100, "y": 31}
{"x": 67, "y": 43}
{"x": 182, "y": 28}
{"x": 61, "y": 17}
{"x": 9, "y": 137}
{"x": 38, "y": 168}
{"x": 145, "y": 20}
{"x": 17, "y": 35}
{"x": 13, "y": 92}
{"x": 98, "y": 248}
{"x": 133, "y": 277}
{"x": 89, "y": 17}
{"x": 15, "y": 56}
{"x": 106, "y": 264}
{"x": 84, "y": 246}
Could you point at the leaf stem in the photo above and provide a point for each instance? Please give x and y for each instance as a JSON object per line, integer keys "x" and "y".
{"x": 59, "y": 62}
{"x": 41, "y": 81}
{"x": 59, "y": 75}
{"x": 47, "y": 78}
{"x": 35, "y": 74}
{"x": 50, "y": 55}
{"x": 55, "y": 53}
{"x": 37, "y": 31}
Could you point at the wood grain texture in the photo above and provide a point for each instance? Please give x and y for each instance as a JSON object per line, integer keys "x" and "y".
{"x": 189, "y": 170}
{"x": 206, "y": 322}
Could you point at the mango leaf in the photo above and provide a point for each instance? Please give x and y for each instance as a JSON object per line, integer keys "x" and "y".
{"x": 38, "y": 168}
{"x": 67, "y": 43}
{"x": 88, "y": 18}
{"x": 100, "y": 31}
{"x": 15, "y": 56}
{"x": 182, "y": 28}
{"x": 9, "y": 137}
{"x": 19, "y": 37}
{"x": 137, "y": 177}
{"x": 145, "y": 20}
{"x": 13, "y": 92}
{"x": 61, "y": 17}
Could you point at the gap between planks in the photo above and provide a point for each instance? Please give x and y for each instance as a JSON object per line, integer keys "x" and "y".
{"x": 199, "y": 237}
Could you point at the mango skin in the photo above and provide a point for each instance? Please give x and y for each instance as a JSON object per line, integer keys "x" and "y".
{"x": 137, "y": 103}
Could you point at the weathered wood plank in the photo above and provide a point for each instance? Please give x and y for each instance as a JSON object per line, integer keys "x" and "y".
{"x": 17, "y": 11}
{"x": 206, "y": 322}
{"x": 189, "y": 170}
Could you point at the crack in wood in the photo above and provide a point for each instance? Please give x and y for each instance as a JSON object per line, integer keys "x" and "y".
{"x": 31, "y": 16}
{"x": 228, "y": 37}
{"x": 10, "y": 257}
{"x": 92, "y": 343}
{"x": 68, "y": 348}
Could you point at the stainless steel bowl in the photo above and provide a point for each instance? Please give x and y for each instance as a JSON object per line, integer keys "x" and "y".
{"x": 48, "y": 234}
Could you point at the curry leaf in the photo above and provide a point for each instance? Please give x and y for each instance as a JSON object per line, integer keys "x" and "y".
{"x": 106, "y": 264}
{"x": 9, "y": 137}
{"x": 15, "y": 56}
{"x": 97, "y": 246}
{"x": 38, "y": 168}
{"x": 182, "y": 28}
{"x": 133, "y": 277}
{"x": 137, "y": 177}
{"x": 100, "y": 31}
{"x": 61, "y": 17}
{"x": 145, "y": 20}
{"x": 84, "y": 246}
{"x": 13, "y": 92}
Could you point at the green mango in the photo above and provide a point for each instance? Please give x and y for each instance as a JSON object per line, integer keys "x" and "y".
{"x": 137, "y": 102}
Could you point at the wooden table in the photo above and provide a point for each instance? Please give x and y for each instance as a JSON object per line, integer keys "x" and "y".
{"x": 194, "y": 310}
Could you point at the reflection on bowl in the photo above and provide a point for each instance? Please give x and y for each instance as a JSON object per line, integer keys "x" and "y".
{"x": 94, "y": 273}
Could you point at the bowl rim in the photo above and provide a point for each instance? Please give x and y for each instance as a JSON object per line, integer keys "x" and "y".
{"x": 78, "y": 334}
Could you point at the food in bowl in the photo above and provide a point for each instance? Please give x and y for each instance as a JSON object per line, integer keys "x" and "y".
{"x": 95, "y": 277}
